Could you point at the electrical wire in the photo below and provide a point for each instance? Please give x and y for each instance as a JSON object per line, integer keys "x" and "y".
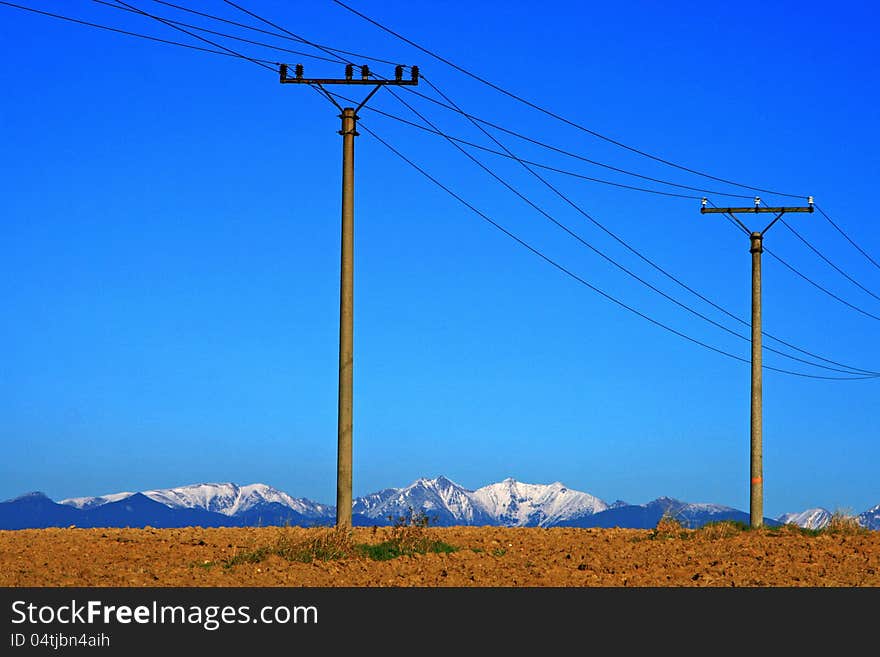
{"x": 453, "y": 108}
{"x": 555, "y": 115}
{"x": 275, "y": 34}
{"x": 288, "y": 32}
{"x": 134, "y": 34}
{"x": 222, "y": 34}
{"x": 794, "y": 270}
{"x": 232, "y": 53}
{"x": 831, "y": 264}
{"x": 597, "y": 251}
{"x": 581, "y": 280}
{"x": 840, "y": 230}
{"x": 185, "y": 31}
{"x": 547, "y": 167}
{"x": 848, "y": 368}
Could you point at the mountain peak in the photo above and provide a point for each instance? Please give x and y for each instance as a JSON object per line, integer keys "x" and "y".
{"x": 33, "y": 496}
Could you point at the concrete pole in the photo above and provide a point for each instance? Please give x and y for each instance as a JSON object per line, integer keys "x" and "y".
{"x": 346, "y": 326}
{"x": 756, "y": 507}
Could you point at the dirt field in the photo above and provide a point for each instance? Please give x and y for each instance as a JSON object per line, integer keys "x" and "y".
{"x": 484, "y": 557}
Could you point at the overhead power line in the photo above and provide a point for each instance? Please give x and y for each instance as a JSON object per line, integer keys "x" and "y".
{"x": 433, "y": 130}
{"x": 336, "y": 53}
{"x": 540, "y": 165}
{"x": 288, "y": 32}
{"x": 621, "y": 241}
{"x": 796, "y": 271}
{"x": 185, "y": 31}
{"x": 276, "y": 34}
{"x": 554, "y": 114}
{"x": 848, "y": 239}
{"x": 136, "y": 34}
{"x": 232, "y": 53}
{"x": 222, "y": 34}
{"x": 831, "y": 264}
{"x": 581, "y": 280}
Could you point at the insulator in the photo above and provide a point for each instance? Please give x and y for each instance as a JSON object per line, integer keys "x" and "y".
{"x": 349, "y": 71}
{"x": 365, "y": 71}
{"x": 282, "y": 69}
{"x": 299, "y": 70}
{"x": 398, "y": 72}
{"x": 757, "y": 201}
{"x": 415, "y": 73}
{"x": 704, "y": 202}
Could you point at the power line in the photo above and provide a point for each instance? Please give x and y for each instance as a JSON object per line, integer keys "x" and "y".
{"x": 581, "y": 280}
{"x": 185, "y": 31}
{"x": 736, "y": 225}
{"x": 472, "y": 118}
{"x": 819, "y": 253}
{"x": 547, "y": 167}
{"x": 278, "y": 27}
{"x": 807, "y": 279}
{"x": 565, "y": 152}
{"x": 233, "y": 53}
{"x": 840, "y": 230}
{"x": 333, "y": 51}
{"x": 847, "y": 368}
{"x": 854, "y": 307}
{"x": 555, "y": 115}
{"x": 135, "y": 34}
{"x": 275, "y": 34}
{"x": 819, "y": 287}
{"x": 222, "y": 34}
{"x": 608, "y": 232}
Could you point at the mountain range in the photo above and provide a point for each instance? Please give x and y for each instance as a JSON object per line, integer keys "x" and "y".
{"x": 443, "y": 502}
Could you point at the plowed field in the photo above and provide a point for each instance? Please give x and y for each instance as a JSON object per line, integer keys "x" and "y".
{"x": 484, "y": 557}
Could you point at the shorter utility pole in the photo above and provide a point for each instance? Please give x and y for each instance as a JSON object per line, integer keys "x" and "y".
{"x": 756, "y": 248}
{"x": 346, "y": 276}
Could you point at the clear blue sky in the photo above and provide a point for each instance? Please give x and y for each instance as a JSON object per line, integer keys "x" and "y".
{"x": 170, "y": 244}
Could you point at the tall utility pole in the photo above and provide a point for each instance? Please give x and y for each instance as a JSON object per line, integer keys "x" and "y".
{"x": 346, "y": 278}
{"x": 756, "y": 486}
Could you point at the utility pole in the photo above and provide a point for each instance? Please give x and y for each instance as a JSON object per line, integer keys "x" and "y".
{"x": 346, "y": 278}
{"x": 756, "y": 239}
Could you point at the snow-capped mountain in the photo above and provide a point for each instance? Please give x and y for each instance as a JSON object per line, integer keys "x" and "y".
{"x": 515, "y": 504}
{"x": 92, "y": 502}
{"x": 810, "y": 519}
{"x": 508, "y": 503}
{"x": 870, "y": 518}
{"x": 646, "y": 516}
{"x": 443, "y": 501}
{"x": 225, "y": 498}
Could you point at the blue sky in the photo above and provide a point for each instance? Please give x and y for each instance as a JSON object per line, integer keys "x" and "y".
{"x": 170, "y": 244}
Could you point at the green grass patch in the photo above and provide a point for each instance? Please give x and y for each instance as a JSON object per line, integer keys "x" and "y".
{"x": 408, "y": 537}
{"x": 393, "y": 549}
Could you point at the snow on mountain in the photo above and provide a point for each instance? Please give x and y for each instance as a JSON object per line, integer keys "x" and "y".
{"x": 697, "y": 514}
{"x": 226, "y": 498}
{"x": 508, "y": 503}
{"x": 92, "y": 502}
{"x": 870, "y": 518}
{"x": 443, "y": 501}
{"x": 516, "y": 504}
{"x": 815, "y": 518}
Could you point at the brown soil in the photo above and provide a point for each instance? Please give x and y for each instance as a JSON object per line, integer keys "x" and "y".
{"x": 485, "y": 557}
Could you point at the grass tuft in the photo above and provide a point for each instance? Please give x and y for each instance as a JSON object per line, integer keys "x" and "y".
{"x": 408, "y": 536}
